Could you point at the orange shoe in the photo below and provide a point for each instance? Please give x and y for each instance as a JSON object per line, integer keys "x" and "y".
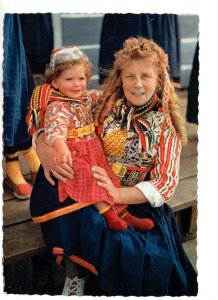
{"x": 20, "y": 191}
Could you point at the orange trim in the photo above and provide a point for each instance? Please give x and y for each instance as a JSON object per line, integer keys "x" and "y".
{"x": 57, "y": 251}
{"x": 103, "y": 210}
{"x": 61, "y": 211}
{"x": 73, "y": 133}
{"x": 59, "y": 259}
{"x": 99, "y": 129}
{"x": 84, "y": 264}
{"x": 122, "y": 216}
{"x": 143, "y": 170}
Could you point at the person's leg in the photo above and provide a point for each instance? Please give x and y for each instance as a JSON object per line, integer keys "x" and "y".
{"x": 75, "y": 279}
{"x": 15, "y": 179}
{"x": 120, "y": 221}
{"x": 33, "y": 161}
{"x": 13, "y": 170}
{"x": 139, "y": 224}
{"x": 114, "y": 222}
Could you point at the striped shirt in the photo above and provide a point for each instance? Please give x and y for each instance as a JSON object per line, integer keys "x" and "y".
{"x": 155, "y": 169}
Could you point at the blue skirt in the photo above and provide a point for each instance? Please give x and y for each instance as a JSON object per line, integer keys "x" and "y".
{"x": 127, "y": 263}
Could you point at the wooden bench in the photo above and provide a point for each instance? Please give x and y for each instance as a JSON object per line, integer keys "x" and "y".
{"x": 23, "y": 241}
{"x": 184, "y": 202}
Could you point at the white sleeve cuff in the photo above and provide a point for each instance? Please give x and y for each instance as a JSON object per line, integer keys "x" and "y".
{"x": 151, "y": 194}
{"x": 34, "y": 140}
{"x": 35, "y": 136}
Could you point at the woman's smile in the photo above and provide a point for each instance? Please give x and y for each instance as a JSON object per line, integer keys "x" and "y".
{"x": 139, "y": 81}
{"x": 137, "y": 93}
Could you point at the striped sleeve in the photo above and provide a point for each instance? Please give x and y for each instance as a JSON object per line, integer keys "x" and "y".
{"x": 165, "y": 176}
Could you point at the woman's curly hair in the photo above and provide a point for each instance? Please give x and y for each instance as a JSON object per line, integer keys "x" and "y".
{"x": 139, "y": 48}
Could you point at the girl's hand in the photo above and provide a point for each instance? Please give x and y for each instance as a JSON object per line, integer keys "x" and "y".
{"x": 104, "y": 181}
{"x": 63, "y": 155}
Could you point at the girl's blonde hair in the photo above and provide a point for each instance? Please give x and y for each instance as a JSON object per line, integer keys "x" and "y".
{"x": 54, "y": 71}
{"x": 139, "y": 48}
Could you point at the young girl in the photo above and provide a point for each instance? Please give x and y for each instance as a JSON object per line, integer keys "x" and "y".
{"x": 70, "y": 129}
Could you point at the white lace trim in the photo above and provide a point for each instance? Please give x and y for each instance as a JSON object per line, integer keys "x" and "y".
{"x": 74, "y": 286}
{"x": 150, "y": 192}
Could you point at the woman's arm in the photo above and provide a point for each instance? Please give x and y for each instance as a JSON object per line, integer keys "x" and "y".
{"x": 46, "y": 154}
{"x": 164, "y": 177}
{"x": 123, "y": 195}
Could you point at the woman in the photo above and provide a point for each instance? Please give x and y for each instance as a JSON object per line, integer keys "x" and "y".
{"x": 142, "y": 132}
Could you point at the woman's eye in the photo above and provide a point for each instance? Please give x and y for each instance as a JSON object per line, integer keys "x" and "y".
{"x": 147, "y": 76}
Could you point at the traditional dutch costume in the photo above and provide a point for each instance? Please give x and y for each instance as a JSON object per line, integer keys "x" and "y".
{"x": 143, "y": 149}
{"x": 72, "y": 120}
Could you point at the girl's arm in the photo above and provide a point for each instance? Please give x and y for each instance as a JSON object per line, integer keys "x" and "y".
{"x": 62, "y": 152}
{"x": 56, "y": 122}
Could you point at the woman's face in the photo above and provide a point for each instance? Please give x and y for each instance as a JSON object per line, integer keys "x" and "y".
{"x": 72, "y": 82}
{"x": 139, "y": 81}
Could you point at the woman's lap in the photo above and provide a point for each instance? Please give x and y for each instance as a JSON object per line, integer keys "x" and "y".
{"x": 129, "y": 262}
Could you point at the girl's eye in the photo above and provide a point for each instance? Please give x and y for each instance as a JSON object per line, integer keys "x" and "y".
{"x": 82, "y": 78}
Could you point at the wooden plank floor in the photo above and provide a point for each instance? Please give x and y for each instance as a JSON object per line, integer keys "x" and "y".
{"x": 17, "y": 247}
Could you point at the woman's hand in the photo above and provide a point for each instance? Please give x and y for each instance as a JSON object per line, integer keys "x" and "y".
{"x": 104, "y": 181}
{"x": 46, "y": 155}
{"x": 123, "y": 195}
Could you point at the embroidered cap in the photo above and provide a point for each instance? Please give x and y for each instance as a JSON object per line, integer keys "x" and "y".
{"x": 65, "y": 54}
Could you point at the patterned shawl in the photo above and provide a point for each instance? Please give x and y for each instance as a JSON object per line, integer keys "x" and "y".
{"x": 132, "y": 117}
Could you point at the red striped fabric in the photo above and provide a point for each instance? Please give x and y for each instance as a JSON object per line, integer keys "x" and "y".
{"x": 165, "y": 175}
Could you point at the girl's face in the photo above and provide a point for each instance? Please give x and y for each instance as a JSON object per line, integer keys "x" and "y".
{"x": 72, "y": 82}
{"x": 139, "y": 81}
